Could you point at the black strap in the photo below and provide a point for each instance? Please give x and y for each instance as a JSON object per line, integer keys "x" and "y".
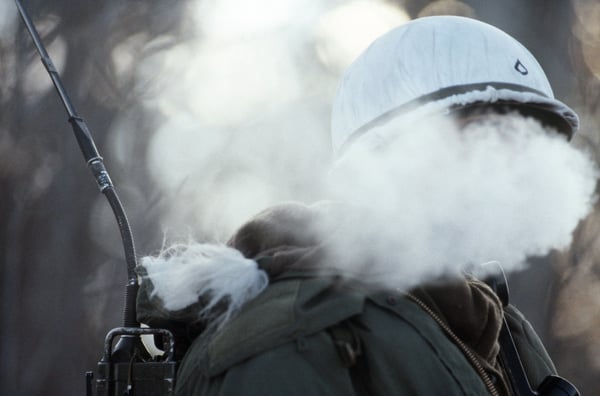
{"x": 509, "y": 354}
{"x": 350, "y": 351}
{"x": 347, "y": 343}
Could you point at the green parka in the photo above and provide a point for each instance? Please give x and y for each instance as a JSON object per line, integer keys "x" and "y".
{"x": 315, "y": 331}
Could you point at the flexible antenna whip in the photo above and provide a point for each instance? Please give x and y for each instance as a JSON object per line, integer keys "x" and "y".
{"x": 96, "y": 165}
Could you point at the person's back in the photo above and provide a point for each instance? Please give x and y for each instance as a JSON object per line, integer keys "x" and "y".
{"x": 319, "y": 332}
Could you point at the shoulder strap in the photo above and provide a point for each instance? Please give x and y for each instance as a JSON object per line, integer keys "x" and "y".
{"x": 346, "y": 342}
{"x": 349, "y": 348}
{"x": 509, "y": 354}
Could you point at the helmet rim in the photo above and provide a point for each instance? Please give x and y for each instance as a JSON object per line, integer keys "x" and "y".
{"x": 450, "y": 99}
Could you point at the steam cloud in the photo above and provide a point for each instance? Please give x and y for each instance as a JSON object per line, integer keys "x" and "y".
{"x": 414, "y": 204}
{"x": 247, "y": 129}
{"x": 435, "y": 198}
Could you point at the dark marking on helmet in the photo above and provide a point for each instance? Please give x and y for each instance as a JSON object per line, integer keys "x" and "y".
{"x": 521, "y": 68}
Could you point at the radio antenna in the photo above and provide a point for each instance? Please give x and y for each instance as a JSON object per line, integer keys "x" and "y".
{"x": 95, "y": 163}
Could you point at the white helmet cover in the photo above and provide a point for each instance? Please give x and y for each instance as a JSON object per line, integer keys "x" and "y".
{"x": 437, "y": 63}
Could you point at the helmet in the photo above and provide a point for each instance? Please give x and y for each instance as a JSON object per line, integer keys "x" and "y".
{"x": 436, "y": 64}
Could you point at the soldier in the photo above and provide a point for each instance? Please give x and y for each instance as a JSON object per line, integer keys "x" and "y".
{"x": 291, "y": 318}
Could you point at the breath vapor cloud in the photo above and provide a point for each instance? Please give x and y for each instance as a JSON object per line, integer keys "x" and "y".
{"x": 433, "y": 198}
{"x": 244, "y": 134}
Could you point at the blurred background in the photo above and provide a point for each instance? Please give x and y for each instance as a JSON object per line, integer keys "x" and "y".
{"x": 207, "y": 111}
